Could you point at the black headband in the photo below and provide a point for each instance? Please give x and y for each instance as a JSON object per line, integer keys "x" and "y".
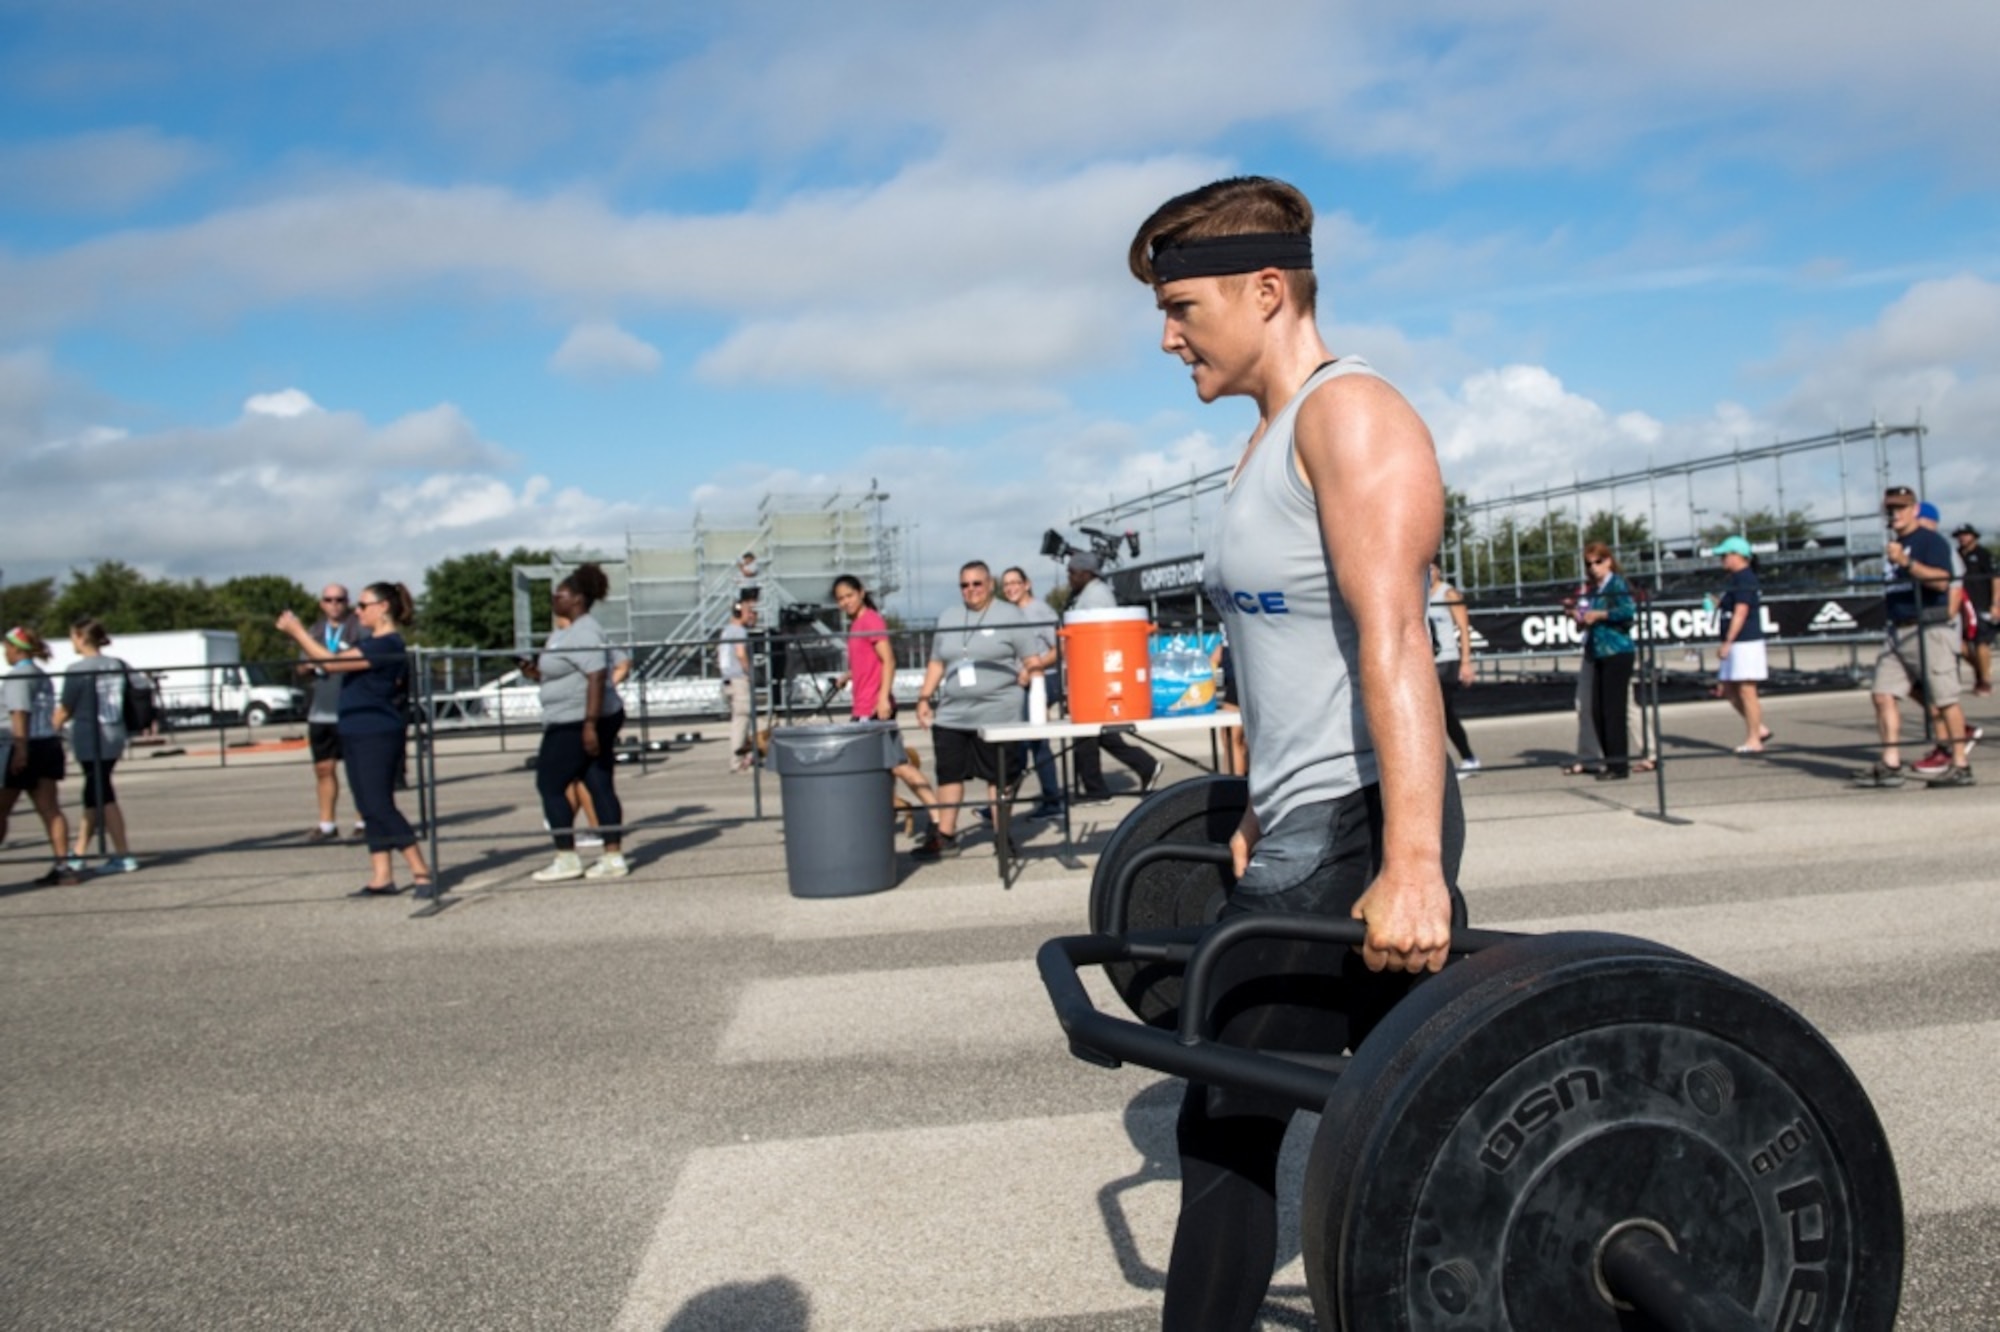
{"x": 1219, "y": 256}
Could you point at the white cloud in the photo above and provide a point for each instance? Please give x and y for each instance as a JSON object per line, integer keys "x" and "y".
{"x": 285, "y": 402}
{"x": 602, "y": 351}
{"x": 99, "y": 171}
{"x": 895, "y": 285}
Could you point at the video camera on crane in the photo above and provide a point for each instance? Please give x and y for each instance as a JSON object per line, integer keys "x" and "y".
{"x": 1104, "y": 545}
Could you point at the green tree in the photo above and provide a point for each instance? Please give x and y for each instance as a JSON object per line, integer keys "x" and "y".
{"x": 250, "y": 603}
{"x": 468, "y": 599}
{"x": 1763, "y": 525}
{"x": 128, "y": 602}
{"x": 28, "y": 604}
{"x": 1550, "y": 549}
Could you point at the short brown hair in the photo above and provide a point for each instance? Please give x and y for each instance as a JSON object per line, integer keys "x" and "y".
{"x": 1238, "y": 206}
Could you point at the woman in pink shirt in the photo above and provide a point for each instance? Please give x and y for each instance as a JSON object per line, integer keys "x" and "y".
{"x": 871, "y": 668}
{"x": 871, "y": 661}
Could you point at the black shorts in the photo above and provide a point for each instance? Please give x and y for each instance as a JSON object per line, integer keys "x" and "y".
{"x": 1274, "y": 993}
{"x": 45, "y": 763}
{"x": 97, "y": 789}
{"x": 323, "y": 738}
{"x": 963, "y": 756}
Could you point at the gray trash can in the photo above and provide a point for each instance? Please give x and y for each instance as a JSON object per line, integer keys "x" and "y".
{"x": 840, "y": 825}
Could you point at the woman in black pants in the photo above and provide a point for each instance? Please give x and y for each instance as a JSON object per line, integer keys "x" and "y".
{"x": 581, "y": 716}
{"x": 375, "y": 681}
{"x": 1607, "y": 614}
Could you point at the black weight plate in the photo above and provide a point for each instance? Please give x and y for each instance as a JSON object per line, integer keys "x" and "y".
{"x": 1516, "y": 1108}
{"x": 1166, "y": 894}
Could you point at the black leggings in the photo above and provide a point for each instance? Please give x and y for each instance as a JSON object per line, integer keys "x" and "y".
{"x": 372, "y": 759}
{"x": 1275, "y": 995}
{"x": 1453, "y": 727}
{"x": 562, "y": 760}
{"x": 1610, "y": 684}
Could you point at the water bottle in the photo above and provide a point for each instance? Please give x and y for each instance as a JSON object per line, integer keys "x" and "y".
{"x": 1038, "y": 699}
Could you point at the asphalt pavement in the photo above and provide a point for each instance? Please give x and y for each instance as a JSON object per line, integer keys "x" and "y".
{"x": 235, "y": 1097}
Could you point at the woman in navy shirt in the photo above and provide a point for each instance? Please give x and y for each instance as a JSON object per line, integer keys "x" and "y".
{"x": 375, "y": 679}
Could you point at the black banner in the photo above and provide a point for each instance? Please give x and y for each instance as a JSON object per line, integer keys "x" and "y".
{"x": 1790, "y": 619}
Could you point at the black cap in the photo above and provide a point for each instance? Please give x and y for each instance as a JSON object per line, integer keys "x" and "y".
{"x": 1966, "y": 529}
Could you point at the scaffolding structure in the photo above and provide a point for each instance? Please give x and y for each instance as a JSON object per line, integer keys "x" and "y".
{"x": 1830, "y": 546}
{"x": 1506, "y": 546}
{"x": 676, "y": 588}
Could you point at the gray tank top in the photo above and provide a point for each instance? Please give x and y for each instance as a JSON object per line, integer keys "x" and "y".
{"x": 1291, "y": 637}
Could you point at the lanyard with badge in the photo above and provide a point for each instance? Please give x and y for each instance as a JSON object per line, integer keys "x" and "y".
{"x": 967, "y": 670}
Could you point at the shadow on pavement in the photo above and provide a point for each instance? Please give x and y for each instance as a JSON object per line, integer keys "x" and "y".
{"x": 775, "y": 1304}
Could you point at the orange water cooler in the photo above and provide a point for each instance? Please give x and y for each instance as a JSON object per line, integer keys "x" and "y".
{"x": 1106, "y": 655}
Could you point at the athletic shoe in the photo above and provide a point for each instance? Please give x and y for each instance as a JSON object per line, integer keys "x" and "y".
{"x": 611, "y": 865}
{"x": 1953, "y": 777}
{"x": 1051, "y": 810}
{"x": 323, "y": 835}
{"x": 936, "y": 847}
{"x": 1151, "y": 779}
{"x": 1467, "y": 767}
{"x": 59, "y": 875}
{"x": 1876, "y": 775}
{"x": 589, "y": 841}
{"x": 119, "y": 865}
{"x": 566, "y": 865}
{"x": 1933, "y": 765}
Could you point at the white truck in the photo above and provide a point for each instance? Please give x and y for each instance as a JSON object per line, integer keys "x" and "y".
{"x": 199, "y": 677}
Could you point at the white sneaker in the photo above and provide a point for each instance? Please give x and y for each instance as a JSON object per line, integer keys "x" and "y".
{"x": 119, "y": 865}
{"x": 589, "y": 841}
{"x": 566, "y": 865}
{"x": 611, "y": 865}
{"x": 1468, "y": 766}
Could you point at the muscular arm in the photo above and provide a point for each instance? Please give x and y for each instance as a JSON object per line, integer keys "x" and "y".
{"x": 1373, "y": 472}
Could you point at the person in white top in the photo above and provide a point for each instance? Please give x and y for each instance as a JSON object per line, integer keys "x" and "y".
{"x": 732, "y": 660}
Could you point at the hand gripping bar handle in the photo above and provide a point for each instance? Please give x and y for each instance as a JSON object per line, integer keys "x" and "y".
{"x": 1100, "y": 1038}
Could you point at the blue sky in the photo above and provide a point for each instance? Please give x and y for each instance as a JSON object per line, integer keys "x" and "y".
{"x": 337, "y": 292}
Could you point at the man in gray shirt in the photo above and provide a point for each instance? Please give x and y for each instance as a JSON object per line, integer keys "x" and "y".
{"x": 1088, "y": 591}
{"x": 982, "y": 655}
{"x": 339, "y": 628}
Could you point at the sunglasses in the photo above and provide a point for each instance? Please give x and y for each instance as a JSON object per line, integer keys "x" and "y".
{"x": 334, "y": 599}
{"x": 364, "y": 605}
{"x": 963, "y": 586}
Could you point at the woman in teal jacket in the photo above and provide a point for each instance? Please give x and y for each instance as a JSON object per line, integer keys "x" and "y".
{"x": 1607, "y": 615}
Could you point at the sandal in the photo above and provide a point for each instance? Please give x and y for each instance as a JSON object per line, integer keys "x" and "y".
{"x": 1642, "y": 765}
{"x": 1578, "y": 770}
{"x": 369, "y": 890}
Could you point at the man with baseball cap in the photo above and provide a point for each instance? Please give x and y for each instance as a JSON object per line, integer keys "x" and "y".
{"x": 1920, "y": 655}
